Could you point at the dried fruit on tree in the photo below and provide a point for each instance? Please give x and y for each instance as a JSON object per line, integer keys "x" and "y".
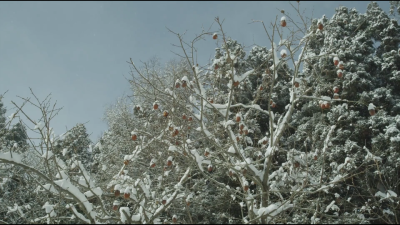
{"x": 335, "y": 89}
{"x": 320, "y": 26}
{"x": 153, "y": 163}
{"x": 210, "y": 168}
{"x": 336, "y": 96}
{"x": 339, "y": 73}
{"x": 215, "y": 36}
{"x": 328, "y": 105}
{"x": 169, "y": 161}
{"x": 238, "y": 117}
{"x": 134, "y": 135}
{"x": 246, "y": 186}
{"x": 206, "y": 152}
{"x": 341, "y": 65}
{"x": 336, "y": 61}
{"x": 283, "y": 53}
{"x": 283, "y": 21}
{"x": 371, "y": 109}
{"x": 117, "y": 193}
{"x": 127, "y": 193}
{"x": 259, "y": 155}
{"x": 115, "y": 205}
{"x": 176, "y": 132}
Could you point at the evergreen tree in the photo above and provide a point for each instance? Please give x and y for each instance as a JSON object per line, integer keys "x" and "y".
{"x": 3, "y": 129}
{"x": 368, "y": 76}
{"x": 15, "y": 186}
{"x": 74, "y": 145}
{"x": 2, "y": 115}
{"x": 17, "y": 135}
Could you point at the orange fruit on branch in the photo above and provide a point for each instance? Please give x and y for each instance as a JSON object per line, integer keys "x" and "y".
{"x": 320, "y": 26}
{"x": 215, "y": 36}
{"x": 165, "y": 113}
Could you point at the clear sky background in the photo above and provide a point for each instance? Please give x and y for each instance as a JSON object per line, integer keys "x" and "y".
{"x": 77, "y": 51}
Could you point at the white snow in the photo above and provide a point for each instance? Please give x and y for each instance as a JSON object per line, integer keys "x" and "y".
{"x": 124, "y": 211}
{"x": 48, "y": 208}
{"x": 76, "y": 213}
{"x": 17, "y": 208}
{"x": 39, "y": 126}
{"x": 371, "y": 156}
{"x": 47, "y": 154}
{"x": 172, "y": 148}
{"x": 272, "y": 210}
{"x": 241, "y": 78}
{"x": 332, "y": 206}
{"x": 391, "y": 194}
{"x": 90, "y": 148}
{"x": 185, "y": 79}
{"x": 64, "y": 151}
{"x": 388, "y": 211}
{"x": 199, "y": 159}
{"x": 13, "y": 157}
{"x": 12, "y": 116}
{"x": 283, "y": 52}
{"x": 97, "y": 191}
{"x": 371, "y": 106}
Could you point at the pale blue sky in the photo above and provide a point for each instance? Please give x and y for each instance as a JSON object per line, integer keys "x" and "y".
{"x": 78, "y": 50}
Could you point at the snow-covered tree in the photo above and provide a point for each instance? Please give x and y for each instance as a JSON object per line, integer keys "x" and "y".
{"x": 75, "y": 145}
{"x": 294, "y": 133}
{"x": 305, "y": 130}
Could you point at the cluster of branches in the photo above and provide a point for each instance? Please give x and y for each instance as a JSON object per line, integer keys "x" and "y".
{"x": 263, "y": 139}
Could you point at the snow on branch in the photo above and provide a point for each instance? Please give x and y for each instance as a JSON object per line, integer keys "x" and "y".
{"x": 11, "y": 156}
{"x": 64, "y": 184}
{"x": 370, "y": 156}
{"x": 326, "y": 142}
{"x": 271, "y": 210}
{"x": 199, "y": 159}
{"x": 163, "y": 207}
{"x": 77, "y": 214}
